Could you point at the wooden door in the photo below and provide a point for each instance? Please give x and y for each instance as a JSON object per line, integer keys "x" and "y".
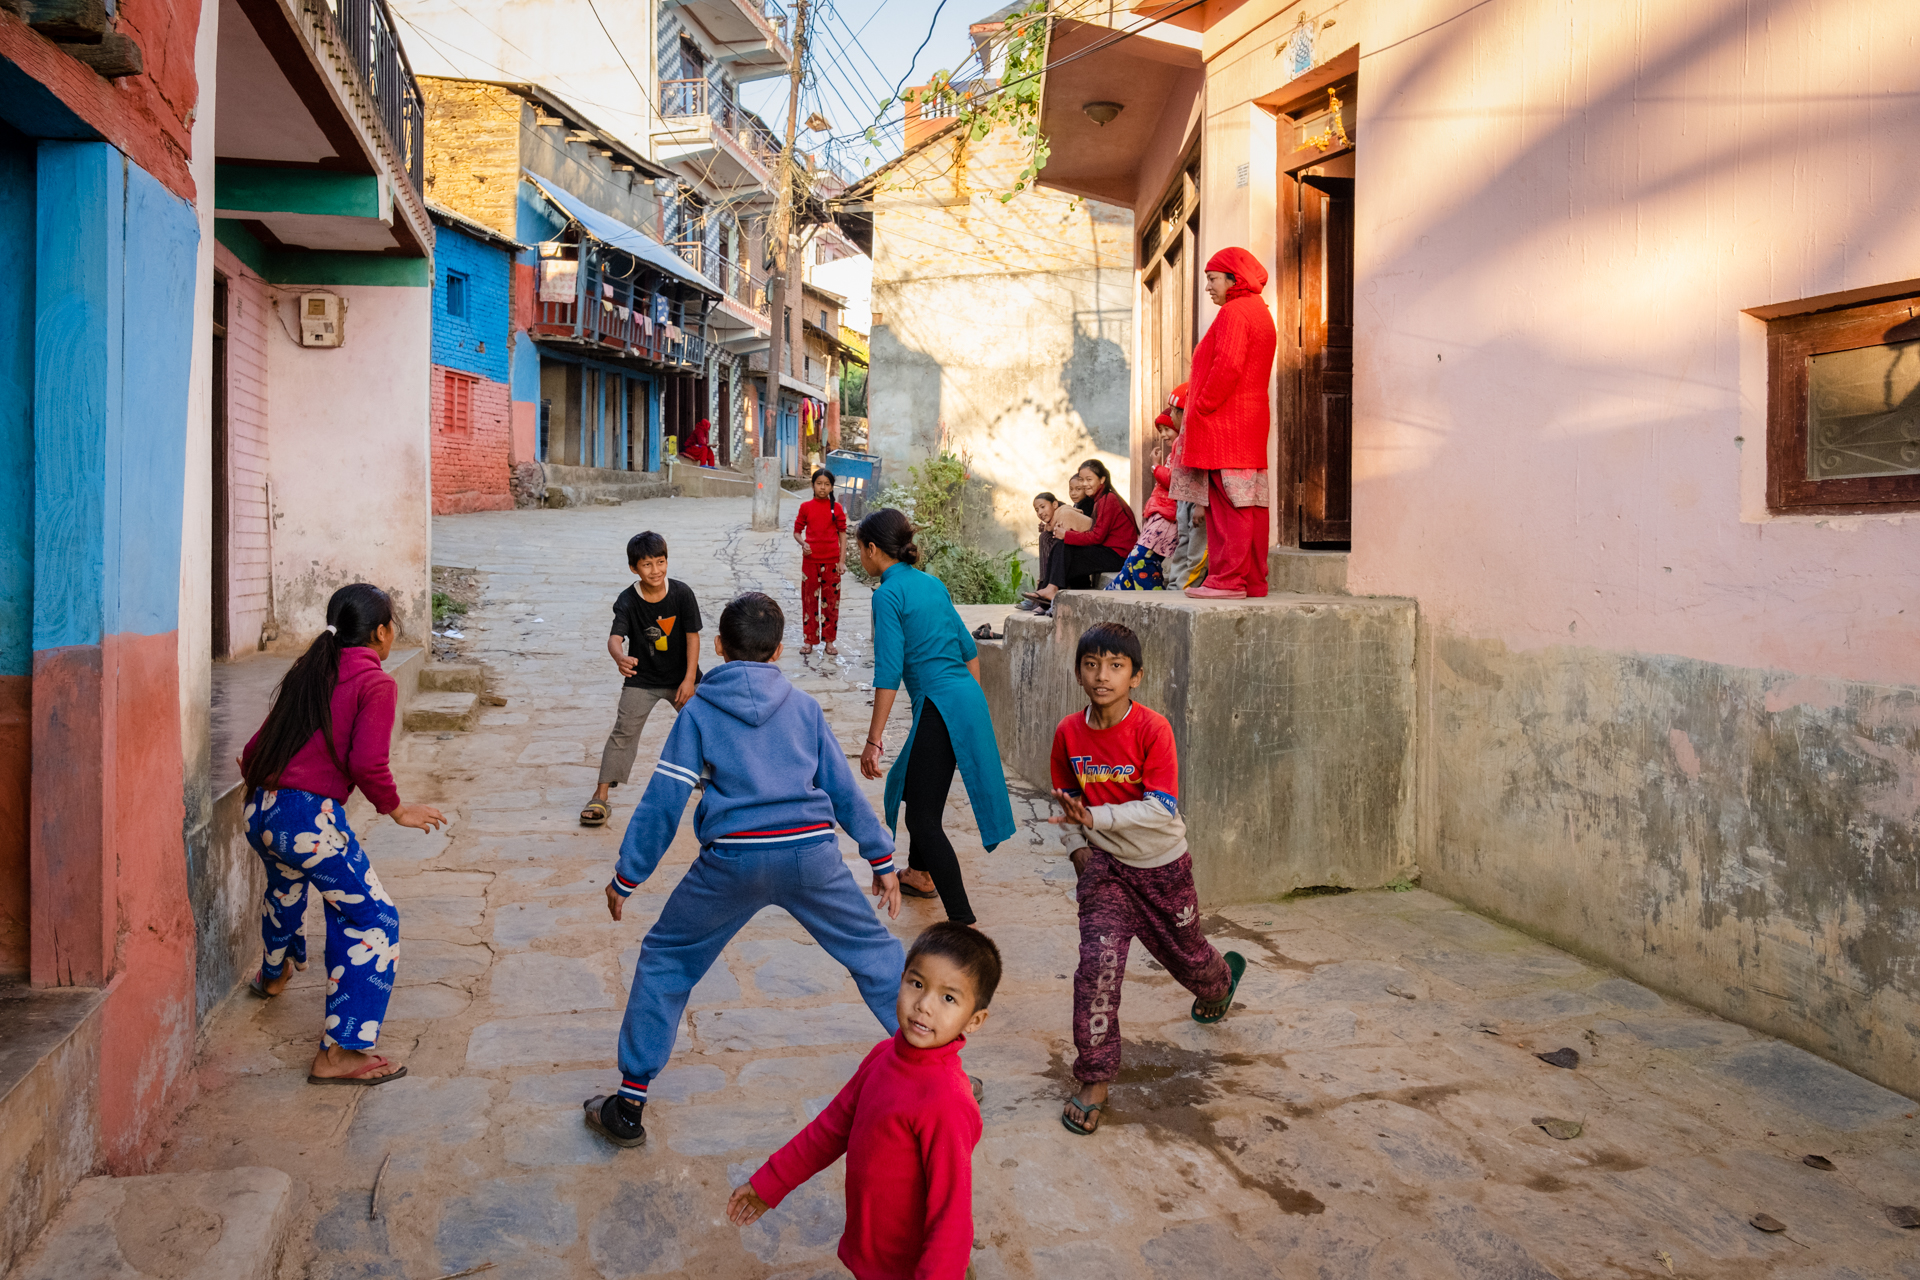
{"x": 1317, "y": 465}
{"x": 222, "y": 495}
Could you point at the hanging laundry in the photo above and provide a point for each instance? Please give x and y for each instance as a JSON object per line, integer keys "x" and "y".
{"x": 559, "y": 279}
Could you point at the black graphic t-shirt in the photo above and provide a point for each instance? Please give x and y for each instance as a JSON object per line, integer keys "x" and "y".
{"x": 656, "y": 632}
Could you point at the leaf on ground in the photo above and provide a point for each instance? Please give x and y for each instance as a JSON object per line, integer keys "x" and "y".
{"x": 1667, "y": 1258}
{"x": 1903, "y": 1215}
{"x": 1767, "y": 1222}
{"x": 1564, "y": 1130}
{"x": 1567, "y": 1059}
{"x": 1817, "y": 1162}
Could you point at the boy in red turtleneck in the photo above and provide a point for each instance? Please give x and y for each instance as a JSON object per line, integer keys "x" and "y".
{"x": 907, "y": 1123}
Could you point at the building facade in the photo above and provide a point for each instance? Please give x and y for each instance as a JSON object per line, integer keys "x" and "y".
{"x": 1611, "y": 371}
{"x": 214, "y": 288}
{"x": 473, "y": 339}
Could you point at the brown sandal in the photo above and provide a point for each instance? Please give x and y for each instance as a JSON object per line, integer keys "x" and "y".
{"x": 595, "y": 814}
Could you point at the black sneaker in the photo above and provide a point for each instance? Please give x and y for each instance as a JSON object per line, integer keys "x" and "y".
{"x": 616, "y": 1120}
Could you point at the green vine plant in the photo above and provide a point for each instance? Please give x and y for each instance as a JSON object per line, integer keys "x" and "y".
{"x": 1013, "y": 101}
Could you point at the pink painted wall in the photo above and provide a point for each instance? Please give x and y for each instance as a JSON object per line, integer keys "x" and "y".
{"x": 1559, "y": 427}
{"x": 16, "y": 764}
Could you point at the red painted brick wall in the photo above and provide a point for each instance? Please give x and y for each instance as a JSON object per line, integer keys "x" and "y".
{"x": 470, "y": 467}
{"x": 148, "y": 116}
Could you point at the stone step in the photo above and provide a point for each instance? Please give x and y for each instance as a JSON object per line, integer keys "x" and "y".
{"x": 453, "y": 677}
{"x": 441, "y": 712}
{"x": 227, "y": 1225}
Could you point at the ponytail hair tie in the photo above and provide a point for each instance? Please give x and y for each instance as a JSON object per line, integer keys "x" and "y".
{"x": 332, "y": 630}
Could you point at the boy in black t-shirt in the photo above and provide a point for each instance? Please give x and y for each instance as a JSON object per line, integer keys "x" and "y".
{"x": 656, "y": 644}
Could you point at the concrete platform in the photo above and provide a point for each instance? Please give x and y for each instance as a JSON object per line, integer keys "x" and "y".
{"x": 1293, "y": 715}
{"x": 230, "y": 1225}
{"x": 453, "y": 677}
{"x": 49, "y": 1113}
{"x": 601, "y": 486}
{"x": 690, "y": 481}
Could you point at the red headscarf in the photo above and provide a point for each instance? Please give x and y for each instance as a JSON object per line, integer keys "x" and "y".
{"x": 1249, "y": 277}
{"x": 700, "y": 430}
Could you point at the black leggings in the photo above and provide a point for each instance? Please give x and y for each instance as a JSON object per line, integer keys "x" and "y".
{"x": 1071, "y": 567}
{"x": 929, "y": 777}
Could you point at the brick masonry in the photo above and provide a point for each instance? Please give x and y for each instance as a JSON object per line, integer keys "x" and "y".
{"x": 473, "y": 150}
{"x": 476, "y": 341}
{"x": 470, "y": 467}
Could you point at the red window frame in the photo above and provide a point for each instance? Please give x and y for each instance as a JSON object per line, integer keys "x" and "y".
{"x": 456, "y": 403}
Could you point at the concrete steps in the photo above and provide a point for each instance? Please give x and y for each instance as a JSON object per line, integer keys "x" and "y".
{"x": 449, "y": 698}
{"x": 453, "y": 677}
{"x": 228, "y": 1225}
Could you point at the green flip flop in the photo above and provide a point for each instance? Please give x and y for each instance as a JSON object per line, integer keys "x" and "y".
{"x": 1086, "y": 1109}
{"x": 1236, "y": 965}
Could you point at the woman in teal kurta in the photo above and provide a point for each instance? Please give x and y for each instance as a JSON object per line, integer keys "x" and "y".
{"x": 919, "y": 640}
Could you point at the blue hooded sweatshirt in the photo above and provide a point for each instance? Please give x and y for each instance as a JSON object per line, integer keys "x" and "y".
{"x": 774, "y": 773}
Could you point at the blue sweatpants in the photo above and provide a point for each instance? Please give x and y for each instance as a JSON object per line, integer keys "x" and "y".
{"x": 303, "y": 839}
{"x": 722, "y": 890}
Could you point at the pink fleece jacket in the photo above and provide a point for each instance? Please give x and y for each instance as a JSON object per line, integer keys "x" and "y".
{"x": 364, "y": 700}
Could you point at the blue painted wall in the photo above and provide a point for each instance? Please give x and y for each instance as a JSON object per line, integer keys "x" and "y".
{"x": 16, "y": 405}
{"x": 457, "y": 339}
{"x": 113, "y": 337}
{"x": 526, "y": 371}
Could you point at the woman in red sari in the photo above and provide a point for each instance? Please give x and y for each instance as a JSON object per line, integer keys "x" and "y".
{"x": 1228, "y": 422}
{"x": 696, "y": 450}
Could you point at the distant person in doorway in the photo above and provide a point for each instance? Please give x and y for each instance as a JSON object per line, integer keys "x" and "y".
{"x": 920, "y": 641}
{"x": 1228, "y": 423}
{"x": 655, "y": 642}
{"x": 820, "y": 528}
{"x": 696, "y": 450}
{"x": 328, "y": 732}
{"x": 1080, "y": 554}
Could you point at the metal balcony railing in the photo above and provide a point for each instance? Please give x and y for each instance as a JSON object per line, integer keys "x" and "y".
{"x": 738, "y": 283}
{"x": 617, "y": 313}
{"x": 363, "y": 31}
{"x": 681, "y": 99}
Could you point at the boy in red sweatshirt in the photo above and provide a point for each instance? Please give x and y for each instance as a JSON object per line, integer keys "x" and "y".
{"x": 817, "y": 529}
{"x": 907, "y": 1123}
{"x": 1117, "y": 776}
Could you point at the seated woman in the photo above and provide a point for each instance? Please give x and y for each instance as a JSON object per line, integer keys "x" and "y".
{"x": 1077, "y": 555}
{"x": 696, "y": 450}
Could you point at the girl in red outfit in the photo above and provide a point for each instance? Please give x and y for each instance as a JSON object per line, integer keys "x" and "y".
{"x": 696, "y": 450}
{"x": 1080, "y": 554}
{"x": 817, "y": 529}
{"x": 327, "y": 733}
{"x": 1158, "y": 536}
{"x": 1228, "y": 423}
{"x": 907, "y": 1123}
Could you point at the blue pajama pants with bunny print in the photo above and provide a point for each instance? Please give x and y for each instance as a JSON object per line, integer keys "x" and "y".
{"x": 303, "y": 839}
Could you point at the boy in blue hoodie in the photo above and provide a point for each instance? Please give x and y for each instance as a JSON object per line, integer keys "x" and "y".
{"x": 776, "y": 781}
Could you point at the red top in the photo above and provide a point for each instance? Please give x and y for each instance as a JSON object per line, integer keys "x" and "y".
{"x": 908, "y": 1124}
{"x": 1134, "y": 759}
{"x": 1113, "y": 526}
{"x": 1228, "y": 415}
{"x": 821, "y": 524}
{"x": 364, "y": 698}
{"x": 1161, "y": 503}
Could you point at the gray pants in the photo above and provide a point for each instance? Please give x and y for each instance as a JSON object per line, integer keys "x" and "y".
{"x": 1190, "y": 552}
{"x": 616, "y": 762}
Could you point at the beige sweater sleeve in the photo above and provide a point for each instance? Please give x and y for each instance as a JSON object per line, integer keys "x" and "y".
{"x": 1141, "y": 833}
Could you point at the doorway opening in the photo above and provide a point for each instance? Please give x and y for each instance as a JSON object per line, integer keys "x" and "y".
{"x": 222, "y": 516}
{"x": 1314, "y": 474}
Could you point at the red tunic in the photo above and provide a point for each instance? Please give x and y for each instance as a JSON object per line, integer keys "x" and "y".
{"x": 908, "y": 1124}
{"x": 1228, "y": 414}
{"x": 821, "y": 524}
{"x": 1113, "y": 526}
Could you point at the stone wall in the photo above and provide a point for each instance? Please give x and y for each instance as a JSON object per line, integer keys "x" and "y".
{"x": 473, "y": 149}
{"x": 471, "y": 471}
{"x": 1293, "y": 717}
{"x": 1001, "y": 330}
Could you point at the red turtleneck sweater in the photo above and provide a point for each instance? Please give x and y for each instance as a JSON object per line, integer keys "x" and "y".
{"x": 907, "y": 1123}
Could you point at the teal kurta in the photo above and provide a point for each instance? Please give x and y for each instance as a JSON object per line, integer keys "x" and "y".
{"x": 919, "y": 640}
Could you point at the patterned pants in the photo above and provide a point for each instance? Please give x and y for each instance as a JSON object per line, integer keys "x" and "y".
{"x": 1119, "y": 903}
{"x": 304, "y": 839}
{"x": 819, "y": 600}
{"x": 1141, "y": 572}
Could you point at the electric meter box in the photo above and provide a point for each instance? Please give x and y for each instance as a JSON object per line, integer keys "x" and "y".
{"x": 323, "y": 319}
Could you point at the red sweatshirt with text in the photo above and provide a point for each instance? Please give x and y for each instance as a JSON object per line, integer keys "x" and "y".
{"x": 907, "y": 1123}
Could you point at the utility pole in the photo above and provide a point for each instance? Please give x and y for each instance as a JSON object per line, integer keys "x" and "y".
{"x": 780, "y": 231}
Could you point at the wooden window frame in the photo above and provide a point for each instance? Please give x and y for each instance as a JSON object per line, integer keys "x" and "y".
{"x": 456, "y": 403}
{"x": 1791, "y": 340}
{"x": 458, "y": 286}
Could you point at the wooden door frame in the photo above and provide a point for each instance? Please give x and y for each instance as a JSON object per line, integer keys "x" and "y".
{"x": 221, "y": 554}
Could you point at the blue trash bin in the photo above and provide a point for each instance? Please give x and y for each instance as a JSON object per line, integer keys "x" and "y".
{"x": 856, "y": 480}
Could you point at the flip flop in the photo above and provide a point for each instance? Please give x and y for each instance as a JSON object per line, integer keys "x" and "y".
{"x": 360, "y": 1077}
{"x": 595, "y": 814}
{"x": 908, "y": 891}
{"x": 1087, "y": 1109}
{"x": 1236, "y": 965}
{"x": 257, "y": 985}
{"x": 592, "y": 1107}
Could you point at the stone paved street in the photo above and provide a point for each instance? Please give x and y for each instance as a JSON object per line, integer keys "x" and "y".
{"x": 1366, "y": 1112}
